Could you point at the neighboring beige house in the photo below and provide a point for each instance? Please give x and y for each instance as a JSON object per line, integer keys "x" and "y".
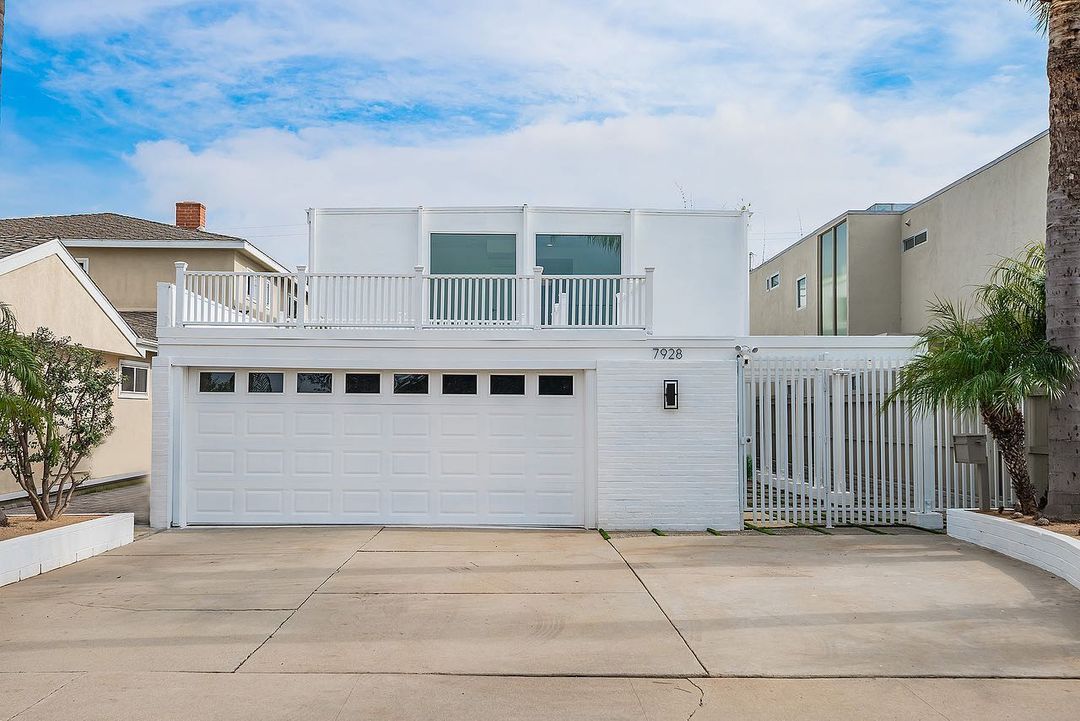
{"x": 45, "y": 286}
{"x": 874, "y": 271}
{"x": 94, "y": 277}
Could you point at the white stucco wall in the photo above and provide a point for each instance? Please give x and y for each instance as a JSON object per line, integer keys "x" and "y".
{"x": 669, "y": 469}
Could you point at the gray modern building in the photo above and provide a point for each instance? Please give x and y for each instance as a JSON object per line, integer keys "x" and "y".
{"x": 873, "y": 271}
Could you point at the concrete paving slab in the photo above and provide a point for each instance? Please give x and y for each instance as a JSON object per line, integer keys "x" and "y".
{"x": 621, "y": 634}
{"x": 20, "y": 691}
{"x": 495, "y": 539}
{"x": 194, "y": 697}
{"x": 217, "y": 541}
{"x": 198, "y": 582}
{"x": 860, "y": 606}
{"x": 889, "y": 699}
{"x": 484, "y": 572}
{"x": 56, "y": 636}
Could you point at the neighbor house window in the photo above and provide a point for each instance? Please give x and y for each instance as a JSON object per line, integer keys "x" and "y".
{"x": 833, "y": 280}
{"x": 133, "y": 379}
{"x": 217, "y": 382}
{"x": 800, "y": 293}
{"x": 411, "y": 383}
{"x": 773, "y": 281}
{"x": 917, "y": 239}
{"x": 84, "y": 263}
{"x": 314, "y": 382}
{"x": 556, "y": 385}
{"x": 266, "y": 382}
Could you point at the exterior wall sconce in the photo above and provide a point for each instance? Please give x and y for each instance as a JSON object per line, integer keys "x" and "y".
{"x": 671, "y": 395}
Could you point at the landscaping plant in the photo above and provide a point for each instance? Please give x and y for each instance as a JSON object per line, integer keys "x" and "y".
{"x": 44, "y": 451}
{"x": 990, "y": 361}
{"x": 20, "y": 383}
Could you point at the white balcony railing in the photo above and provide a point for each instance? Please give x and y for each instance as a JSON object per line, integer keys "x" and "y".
{"x": 412, "y": 300}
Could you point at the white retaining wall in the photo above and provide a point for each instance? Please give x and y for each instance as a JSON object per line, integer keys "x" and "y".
{"x": 669, "y": 469}
{"x": 1050, "y": 551}
{"x": 25, "y": 556}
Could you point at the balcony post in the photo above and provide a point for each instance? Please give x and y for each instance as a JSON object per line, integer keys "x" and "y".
{"x": 536, "y": 302}
{"x": 301, "y": 295}
{"x": 649, "y": 299}
{"x": 179, "y": 316}
{"x": 418, "y": 297}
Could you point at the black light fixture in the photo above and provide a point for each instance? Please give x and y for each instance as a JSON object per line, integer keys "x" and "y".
{"x": 671, "y": 395}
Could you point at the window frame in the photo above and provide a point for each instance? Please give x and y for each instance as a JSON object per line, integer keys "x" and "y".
{"x": 802, "y": 298}
{"x": 442, "y": 384}
{"x": 915, "y": 242}
{"x": 378, "y": 380}
{"x": 524, "y": 384}
{"x": 137, "y": 365}
{"x": 573, "y": 385}
{"x": 83, "y": 263}
{"x": 769, "y": 285}
{"x": 216, "y": 393}
{"x": 296, "y": 383}
{"x": 427, "y": 389}
{"x": 247, "y": 386}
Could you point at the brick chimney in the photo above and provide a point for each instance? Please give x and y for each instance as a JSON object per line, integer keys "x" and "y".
{"x": 190, "y": 215}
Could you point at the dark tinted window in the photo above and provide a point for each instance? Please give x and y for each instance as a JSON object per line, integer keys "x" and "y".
{"x": 410, "y": 383}
{"x": 504, "y": 385}
{"x": 266, "y": 382}
{"x": 361, "y": 382}
{"x": 216, "y": 382}
{"x": 458, "y": 385}
{"x": 556, "y": 385}
{"x": 314, "y": 382}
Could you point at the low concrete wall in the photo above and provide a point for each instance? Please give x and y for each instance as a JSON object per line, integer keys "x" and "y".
{"x": 26, "y": 556}
{"x": 1050, "y": 551}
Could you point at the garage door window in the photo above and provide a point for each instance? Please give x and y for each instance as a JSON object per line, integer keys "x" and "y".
{"x": 454, "y": 384}
{"x": 361, "y": 382}
{"x": 506, "y": 385}
{"x": 217, "y": 382}
{"x": 314, "y": 382}
{"x": 266, "y": 382}
{"x": 414, "y": 383}
{"x": 556, "y": 385}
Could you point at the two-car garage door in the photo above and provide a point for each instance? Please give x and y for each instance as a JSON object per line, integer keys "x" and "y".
{"x": 432, "y": 448}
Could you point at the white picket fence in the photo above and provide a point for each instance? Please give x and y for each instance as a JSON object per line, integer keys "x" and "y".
{"x": 821, "y": 448}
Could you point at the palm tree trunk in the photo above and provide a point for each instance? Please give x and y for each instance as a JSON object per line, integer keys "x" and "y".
{"x": 1063, "y": 249}
{"x": 1007, "y": 428}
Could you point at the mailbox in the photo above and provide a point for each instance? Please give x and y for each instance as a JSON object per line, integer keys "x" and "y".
{"x": 969, "y": 448}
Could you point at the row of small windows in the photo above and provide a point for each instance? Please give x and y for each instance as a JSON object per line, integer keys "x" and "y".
{"x": 917, "y": 239}
{"x": 453, "y": 384}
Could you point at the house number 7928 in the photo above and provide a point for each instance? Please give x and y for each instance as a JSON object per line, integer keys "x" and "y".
{"x": 667, "y": 353}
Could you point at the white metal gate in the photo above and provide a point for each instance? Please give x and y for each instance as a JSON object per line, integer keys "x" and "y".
{"x": 820, "y": 450}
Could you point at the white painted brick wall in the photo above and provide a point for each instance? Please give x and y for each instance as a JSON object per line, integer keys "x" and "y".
{"x": 161, "y": 430}
{"x": 675, "y": 470}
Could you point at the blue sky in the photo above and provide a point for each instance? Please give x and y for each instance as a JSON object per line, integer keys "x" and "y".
{"x": 261, "y": 108}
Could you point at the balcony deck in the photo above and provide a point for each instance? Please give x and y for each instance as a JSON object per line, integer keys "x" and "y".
{"x": 415, "y": 300}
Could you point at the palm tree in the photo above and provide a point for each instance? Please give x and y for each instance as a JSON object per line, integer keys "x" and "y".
{"x": 1060, "y": 20}
{"x": 19, "y": 378}
{"x": 990, "y": 364}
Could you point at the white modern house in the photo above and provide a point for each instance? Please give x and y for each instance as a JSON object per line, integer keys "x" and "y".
{"x": 518, "y": 366}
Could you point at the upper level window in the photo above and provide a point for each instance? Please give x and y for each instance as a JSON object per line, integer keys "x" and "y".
{"x": 917, "y": 239}
{"x": 473, "y": 253}
{"x": 800, "y": 293}
{"x": 579, "y": 254}
{"x": 773, "y": 281}
{"x": 833, "y": 280}
{"x": 133, "y": 379}
{"x": 84, "y": 263}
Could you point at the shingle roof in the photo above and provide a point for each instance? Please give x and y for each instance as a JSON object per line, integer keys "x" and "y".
{"x": 101, "y": 226}
{"x": 18, "y": 243}
{"x": 143, "y": 322}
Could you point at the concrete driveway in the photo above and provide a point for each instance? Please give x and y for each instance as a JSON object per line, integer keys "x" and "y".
{"x": 298, "y": 623}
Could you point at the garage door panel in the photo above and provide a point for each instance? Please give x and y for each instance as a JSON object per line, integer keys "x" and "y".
{"x": 452, "y": 460}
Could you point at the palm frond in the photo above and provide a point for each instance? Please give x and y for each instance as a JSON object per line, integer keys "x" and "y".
{"x": 1040, "y": 11}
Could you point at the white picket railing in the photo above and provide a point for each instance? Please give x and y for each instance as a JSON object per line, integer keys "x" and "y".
{"x": 412, "y": 300}
{"x": 822, "y": 449}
